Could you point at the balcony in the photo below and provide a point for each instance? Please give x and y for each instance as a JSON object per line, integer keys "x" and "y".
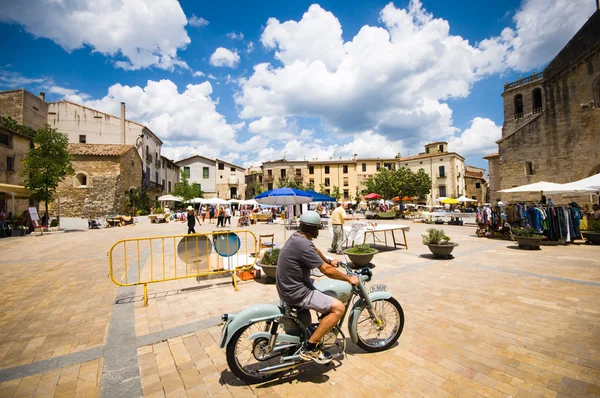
{"x": 520, "y": 82}
{"x": 148, "y": 158}
{"x": 238, "y": 197}
{"x": 155, "y": 186}
{"x": 440, "y": 176}
{"x": 298, "y": 178}
{"x": 232, "y": 180}
{"x": 269, "y": 178}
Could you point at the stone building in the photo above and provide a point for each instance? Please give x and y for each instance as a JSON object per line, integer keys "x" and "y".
{"x": 13, "y": 148}
{"x": 476, "y": 186}
{"x": 104, "y": 175}
{"x": 170, "y": 174}
{"x": 24, "y": 107}
{"x": 551, "y": 129}
{"x": 446, "y": 170}
{"x": 282, "y": 169}
{"x": 367, "y": 168}
{"x": 230, "y": 181}
{"x": 331, "y": 174}
{"x": 254, "y": 181}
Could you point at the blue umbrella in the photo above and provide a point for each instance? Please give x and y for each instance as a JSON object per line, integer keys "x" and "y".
{"x": 319, "y": 197}
{"x": 284, "y": 196}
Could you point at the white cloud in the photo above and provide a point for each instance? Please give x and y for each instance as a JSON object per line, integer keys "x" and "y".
{"x": 274, "y": 128}
{"x": 197, "y": 22}
{"x": 211, "y": 76}
{"x": 198, "y": 74}
{"x": 238, "y": 126}
{"x": 250, "y": 47}
{"x": 13, "y": 80}
{"x": 136, "y": 33}
{"x": 478, "y": 140}
{"x": 187, "y": 122}
{"x": 235, "y": 36}
{"x": 225, "y": 57}
{"x": 542, "y": 28}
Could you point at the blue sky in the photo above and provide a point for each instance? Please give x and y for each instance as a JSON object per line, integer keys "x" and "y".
{"x": 255, "y": 81}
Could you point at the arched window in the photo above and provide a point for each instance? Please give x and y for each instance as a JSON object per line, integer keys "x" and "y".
{"x": 81, "y": 180}
{"x": 536, "y": 100}
{"x": 518, "y": 106}
{"x": 596, "y": 89}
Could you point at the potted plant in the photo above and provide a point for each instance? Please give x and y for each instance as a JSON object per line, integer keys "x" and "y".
{"x": 268, "y": 262}
{"x": 528, "y": 238}
{"x": 16, "y": 226}
{"x": 361, "y": 255}
{"x": 592, "y": 234}
{"x": 438, "y": 242}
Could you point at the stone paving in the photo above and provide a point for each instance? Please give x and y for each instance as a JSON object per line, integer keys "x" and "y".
{"x": 493, "y": 322}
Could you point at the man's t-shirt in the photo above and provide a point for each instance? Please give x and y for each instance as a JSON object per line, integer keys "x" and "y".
{"x": 338, "y": 215}
{"x": 297, "y": 257}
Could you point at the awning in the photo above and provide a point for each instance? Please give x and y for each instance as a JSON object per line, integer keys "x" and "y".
{"x": 8, "y": 191}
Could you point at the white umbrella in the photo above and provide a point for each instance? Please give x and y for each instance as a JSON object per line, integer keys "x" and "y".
{"x": 214, "y": 201}
{"x": 249, "y": 202}
{"x": 589, "y": 184}
{"x": 465, "y": 199}
{"x": 440, "y": 198}
{"x": 234, "y": 201}
{"x": 167, "y": 198}
{"x": 541, "y": 186}
{"x": 195, "y": 200}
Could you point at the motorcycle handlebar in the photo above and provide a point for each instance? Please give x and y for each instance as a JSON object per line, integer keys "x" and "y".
{"x": 364, "y": 274}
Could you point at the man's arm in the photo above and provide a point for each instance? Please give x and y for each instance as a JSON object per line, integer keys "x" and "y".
{"x": 333, "y": 273}
{"x": 333, "y": 262}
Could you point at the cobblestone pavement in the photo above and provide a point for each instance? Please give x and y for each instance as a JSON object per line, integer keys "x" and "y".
{"x": 494, "y": 321}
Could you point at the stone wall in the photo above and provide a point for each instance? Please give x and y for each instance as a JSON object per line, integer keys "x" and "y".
{"x": 563, "y": 142}
{"x": 11, "y": 104}
{"x": 24, "y": 107}
{"x": 108, "y": 180}
{"x": 494, "y": 173}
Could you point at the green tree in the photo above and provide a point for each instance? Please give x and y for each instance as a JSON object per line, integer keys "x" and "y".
{"x": 137, "y": 199}
{"x": 186, "y": 190}
{"x": 13, "y": 125}
{"x": 289, "y": 183}
{"x": 47, "y": 164}
{"x": 322, "y": 189}
{"x": 335, "y": 192}
{"x": 401, "y": 182}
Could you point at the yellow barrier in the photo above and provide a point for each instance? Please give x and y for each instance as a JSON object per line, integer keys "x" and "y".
{"x": 169, "y": 258}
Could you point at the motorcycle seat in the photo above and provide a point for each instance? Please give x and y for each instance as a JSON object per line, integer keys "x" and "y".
{"x": 126, "y": 218}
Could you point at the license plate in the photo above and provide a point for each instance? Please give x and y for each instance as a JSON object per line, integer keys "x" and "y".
{"x": 378, "y": 288}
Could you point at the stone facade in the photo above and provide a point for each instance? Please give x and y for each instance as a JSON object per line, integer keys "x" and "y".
{"x": 254, "y": 182}
{"x": 24, "y": 107}
{"x": 104, "y": 174}
{"x": 170, "y": 174}
{"x": 230, "y": 180}
{"x": 494, "y": 176}
{"x": 282, "y": 169}
{"x": 476, "y": 186}
{"x": 13, "y": 148}
{"x": 551, "y": 128}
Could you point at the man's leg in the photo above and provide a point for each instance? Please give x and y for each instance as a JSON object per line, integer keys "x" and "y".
{"x": 338, "y": 238}
{"x": 329, "y": 321}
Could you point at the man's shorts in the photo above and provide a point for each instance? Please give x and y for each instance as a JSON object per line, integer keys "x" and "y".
{"x": 317, "y": 301}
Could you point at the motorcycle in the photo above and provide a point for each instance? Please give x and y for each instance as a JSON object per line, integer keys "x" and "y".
{"x": 264, "y": 341}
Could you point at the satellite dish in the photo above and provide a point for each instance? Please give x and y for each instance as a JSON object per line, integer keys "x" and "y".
{"x": 227, "y": 244}
{"x": 194, "y": 249}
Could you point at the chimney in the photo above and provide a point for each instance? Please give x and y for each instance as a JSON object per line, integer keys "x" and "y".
{"x": 43, "y": 95}
{"x": 122, "y": 123}
{"x": 355, "y": 156}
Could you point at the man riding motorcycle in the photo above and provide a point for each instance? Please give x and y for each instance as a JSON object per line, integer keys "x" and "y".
{"x": 296, "y": 259}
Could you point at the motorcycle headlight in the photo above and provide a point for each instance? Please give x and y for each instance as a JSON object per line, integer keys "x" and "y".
{"x": 225, "y": 317}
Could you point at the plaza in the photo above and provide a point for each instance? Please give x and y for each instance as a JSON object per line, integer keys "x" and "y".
{"x": 494, "y": 321}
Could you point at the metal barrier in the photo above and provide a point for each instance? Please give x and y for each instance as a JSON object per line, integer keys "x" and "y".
{"x": 169, "y": 258}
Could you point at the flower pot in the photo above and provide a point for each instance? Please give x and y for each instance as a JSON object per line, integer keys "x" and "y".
{"x": 529, "y": 242}
{"x": 17, "y": 232}
{"x": 592, "y": 237}
{"x": 269, "y": 270}
{"x": 360, "y": 260}
{"x": 442, "y": 251}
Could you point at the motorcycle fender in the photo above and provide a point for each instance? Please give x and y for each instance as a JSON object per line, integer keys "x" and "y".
{"x": 281, "y": 338}
{"x": 241, "y": 319}
{"x": 360, "y": 304}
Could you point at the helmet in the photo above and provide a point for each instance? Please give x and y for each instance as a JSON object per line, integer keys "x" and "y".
{"x": 311, "y": 218}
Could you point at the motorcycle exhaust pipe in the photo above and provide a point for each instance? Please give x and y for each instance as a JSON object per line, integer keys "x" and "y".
{"x": 279, "y": 368}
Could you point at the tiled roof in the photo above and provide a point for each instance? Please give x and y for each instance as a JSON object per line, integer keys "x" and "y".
{"x": 193, "y": 156}
{"x": 429, "y": 155}
{"x": 14, "y": 132}
{"x": 99, "y": 149}
{"x": 474, "y": 174}
{"x": 493, "y": 155}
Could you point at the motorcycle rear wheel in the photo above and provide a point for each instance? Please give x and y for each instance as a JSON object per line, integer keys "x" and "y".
{"x": 369, "y": 333}
{"x": 242, "y": 358}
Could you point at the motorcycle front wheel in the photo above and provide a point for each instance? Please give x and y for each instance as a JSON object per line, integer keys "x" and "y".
{"x": 245, "y": 357}
{"x": 374, "y": 337}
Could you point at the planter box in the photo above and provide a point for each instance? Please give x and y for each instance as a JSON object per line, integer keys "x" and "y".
{"x": 248, "y": 275}
{"x": 442, "y": 251}
{"x": 17, "y": 232}
{"x": 592, "y": 237}
{"x": 529, "y": 242}
{"x": 360, "y": 260}
{"x": 269, "y": 270}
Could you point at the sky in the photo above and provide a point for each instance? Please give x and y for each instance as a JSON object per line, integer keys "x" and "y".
{"x": 249, "y": 82}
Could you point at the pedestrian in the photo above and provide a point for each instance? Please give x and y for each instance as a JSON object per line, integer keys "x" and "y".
{"x": 338, "y": 217}
{"x": 191, "y": 220}
{"x": 211, "y": 213}
{"x": 203, "y": 212}
{"x": 227, "y": 216}
{"x": 220, "y": 217}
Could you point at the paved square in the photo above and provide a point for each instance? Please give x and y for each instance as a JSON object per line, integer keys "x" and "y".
{"x": 494, "y": 321}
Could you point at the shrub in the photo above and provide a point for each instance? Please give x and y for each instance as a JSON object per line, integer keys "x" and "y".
{"x": 593, "y": 225}
{"x": 435, "y": 237}
{"x": 54, "y": 223}
{"x": 159, "y": 210}
{"x": 525, "y": 232}
{"x": 270, "y": 257}
{"x": 361, "y": 249}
